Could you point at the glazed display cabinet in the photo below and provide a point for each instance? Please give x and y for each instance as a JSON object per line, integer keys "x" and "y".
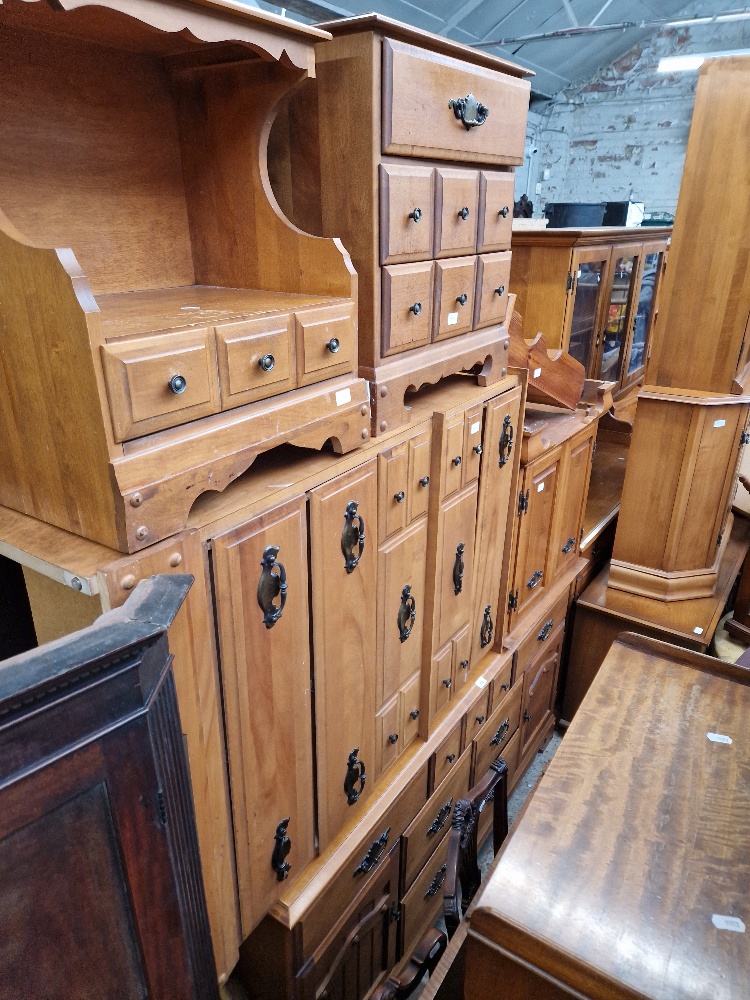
{"x": 593, "y": 293}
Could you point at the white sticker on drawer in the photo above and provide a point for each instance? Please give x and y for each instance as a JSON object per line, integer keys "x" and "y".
{"x": 481, "y": 683}
{"x": 698, "y": 630}
{"x": 540, "y": 487}
{"x": 476, "y": 428}
{"x": 452, "y": 319}
{"x": 724, "y": 923}
{"x": 720, "y": 423}
{"x": 343, "y": 396}
{"x": 718, "y": 738}
{"x": 537, "y": 373}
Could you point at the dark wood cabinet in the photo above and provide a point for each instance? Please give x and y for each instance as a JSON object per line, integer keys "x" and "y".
{"x": 100, "y": 882}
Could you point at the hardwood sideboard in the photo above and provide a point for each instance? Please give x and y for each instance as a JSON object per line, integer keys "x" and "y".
{"x": 643, "y": 890}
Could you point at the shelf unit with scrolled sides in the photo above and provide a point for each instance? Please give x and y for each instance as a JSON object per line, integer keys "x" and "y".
{"x": 161, "y": 321}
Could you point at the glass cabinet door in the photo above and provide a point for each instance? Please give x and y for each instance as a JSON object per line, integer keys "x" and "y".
{"x": 645, "y": 312}
{"x": 615, "y": 323}
{"x": 589, "y": 279}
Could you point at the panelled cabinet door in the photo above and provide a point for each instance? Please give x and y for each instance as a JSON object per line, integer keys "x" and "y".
{"x": 538, "y": 489}
{"x": 344, "y": 558}
{"x": 501, "y": 424}
{"x": 261, "y": 587}
{"x": 587, "y": 284}
{"x": 455, "y": 563}
{"x": 571, "y": 503}
{"x": 539, "y": 684}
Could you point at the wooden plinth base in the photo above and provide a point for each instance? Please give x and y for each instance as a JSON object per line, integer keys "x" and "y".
{"x": 390, "y": 381}
{"x": 160, "y": 477}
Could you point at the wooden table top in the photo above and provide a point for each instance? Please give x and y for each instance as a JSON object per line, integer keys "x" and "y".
{"x": 629, "y": 873}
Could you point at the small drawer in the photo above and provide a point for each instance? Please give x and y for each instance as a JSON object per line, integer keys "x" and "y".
{"x": 424, "y": 901}
{"x": 158, "y": 382}
{"x": 406, "y": 213}
{"x": 495, "y": 210}
{"x": 418, "y": 492}
{"x": 541, "y": 634}
{"x": 390, "y": 742}
{"x": 452, "y": 456}
{"x": 442, "y": 671}
{"x": 434, "y": 820}
{"x": 512, "y": 757}
{"x": 423, "y": 103}
{"x": 472, "y": 443}
{"x": 446, "y": 756}
{"x": 496, "y": 735}
{"x": 256, "y": 359}
{"x": 456, "y": 210}
{"x": 326, "y": 342}
{"x": 461, "y": 659}
{"x": 393, "y": 486}
{"x": 477, "y": 716}
{"x": 455, "y": 285}
{"x": 502, "y": 684}
{"x": 493, "y": 278}
{"x": 407, "y": 291}
{"x": 409, "y": 709}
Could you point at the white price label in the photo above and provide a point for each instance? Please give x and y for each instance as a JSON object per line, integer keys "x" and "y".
{"x": 452, "y": 319}
{"x": 537, "y": 373}
{"x": 540, "y": 487}
{"x": 718, "y": 738}
{"x": 476, "y": 428}
{"x": 698, "y": 630}
{"x": 343, "y": 396}
{"x": 720, "y": 423}
{"x": 481, "y": 683}
{"x": 724, "y": 923}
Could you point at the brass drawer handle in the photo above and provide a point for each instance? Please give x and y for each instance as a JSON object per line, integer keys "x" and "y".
{"x": 504, "y": 211}
{"x": 424, "y": 481}
{"x": 281, "y": 848}
{"x": 487, "y": 631}
{"x": 501, "y": 733}
{"x": 469, "y": 110}
{"x": 399, "y": 497}
{"x": 569, "y": 545}
{"x": 416, "y": 308}
{"x": 416, "y": 214}
{"x": 373, "y": 854}
{"x": 267, "y": 362}
{"x": 506, "y": 440}
{"x": 462, "y": 298}
{"x": 355, "y": 772}
{"x": 536, "y": 577}
{"x": 546, "y": 631}
{"x": 393, "y": 739}
{"x": 436, "y": 882}
{"x": 178, "y": 384}
{"x": 458, "y": 569}
{"x": 407, "y": 613}
{"x": 439, "y": 822}
{"x": 500, "y": 290}
{"x": 271, "y": 585}
{"x": 463, "y": 213}
{"x": 353, "y": 534}
{"x": 333, "y": 345}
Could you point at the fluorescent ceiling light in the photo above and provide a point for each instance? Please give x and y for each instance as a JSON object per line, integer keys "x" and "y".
{"x": 679, "y": 64}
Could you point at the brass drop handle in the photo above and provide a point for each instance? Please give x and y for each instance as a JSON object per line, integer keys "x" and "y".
{"x": 569, "y": 545}
{"x": 500, "y": 290}
{"x": 178, "y": 384}
{"x": 436, "y": 882}
{"x": 355, "y": 772}
{"x": 450, "y": 758}
{"x": 447, "y": 682}
{"x": 333, "y": 345}
{"x": 504, "y": 211}
{"x": 469, "y": 110}
{"x": 352, "y": 534}
{"x": 393, "y": 738}
{"x": 487, "y": 629}
{"x": 416, "y": 308}
{"x": 416, "y": 214}
{"x": 457, "y": 460}
{"x": 407, "y": 613}
{"x": 463, "y": 213}
{"x": 414, "y": 714}
{"x": 462, "y": 298}
{"x": 399, "y": 497}
{"x": 424, "y": 481}
{"x": 271, "y": 585}
{"x": 506, "y": 440}
{"x": 281, "y": 848}
{"x": 267, "y": 362}
{"x": 373, "y": 854}
{"x": 477, "y": 448}
{"x": 458, "y": 569}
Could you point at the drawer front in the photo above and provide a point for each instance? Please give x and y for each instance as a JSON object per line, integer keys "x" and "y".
{"x": 256, "y": 359}
{"x": 472, "y": 443}
{"x": 461, "y": 655}
{"x": 495, "y": 210}
{"x": 369, "y": 855}
{"x": 452, "y": 452}
{"x": 407, "y": 306}
{"x": 409, "y": 709}
{"x": 434, "y": 820}
{"x": 326, "y": 342}
{"x": 417, "y": 118}
{"x": 406, "y": 213}
{"x": 477, "y": 715}
{"x": 502, "y": 684}
{"x": 442, "y": 673}
{"x": 424, "y": 901}
{"x": 456, "y": 211}
{"x": 512, "y": 757}
{"x": 446, "y": 756}
{"x": 493, "y": 278}
{"x": 418, "y": 490}
{"x": 158, "y": 382}
{"x": 541, "y": 634}
{"x": 498, "y": 732}
{"x": 393, "y": 466}
{"x": 389, "y": 735}
{"x": 455, "y": 284}
{"x": 455, "y": 563}
{"x": 539, "y": 681}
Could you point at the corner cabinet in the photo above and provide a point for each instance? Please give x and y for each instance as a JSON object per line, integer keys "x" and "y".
{"x": 593, "y": 293}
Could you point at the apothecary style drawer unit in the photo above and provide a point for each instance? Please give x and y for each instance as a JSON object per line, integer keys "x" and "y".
{"x": 420, "y": 192}
{"x": 163, "y": 323}
{"x": 593, "y": 293}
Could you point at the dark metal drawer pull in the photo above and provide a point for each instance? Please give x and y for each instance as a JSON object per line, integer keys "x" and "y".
{"x": 500, "y": 290}
{"x": 353, "y": 534}
{"x": 477, "y": 448}
{"x": 178, "y": 384}
{"x": 393, "y": 739}
{"x": 439, "y": 822}
{"x": 333, "y": 345}
{"x": 458, "y": 569}
{"x": 499, "y": 736}
{"x": 281, "y": 848}
{"x": 480, "y": 720}
{"x": 536, "y": 577}
{"x": 407, "y": 613}
{"x": 355, "y": 772}
{"x": 463, "y": 213}
{"x": 505, "y": 687}
{"x": 436, "y": 882}
{"x": 271, "y": 585}
{"x": 456, "y": 461}
{"x": 414, "y": 714}
{"x": 464, "y": 664}
{"x": 424, "y": 481}
{"x": 504, "y": 211}
{"x": 399, "y": 497}
{"x": 546, "y": 631}
{"x": 267, "y": 362}
{"x": 447, "y": 682}
{"x": 469, "y": 110}
{"x": 487, "y": 631}
{"x": 526, "y": 716}
{"x": 373, "y": 854}
{"x": 506, "y": 440}
{"x": 416, "y": 308}
{"x": 450, "y": 757}
{"x": 416, "y": 214}
{"x": 569, "y": 545}
{"x": 462, "y": 299}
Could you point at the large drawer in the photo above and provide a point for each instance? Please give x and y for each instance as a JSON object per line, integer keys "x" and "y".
{"x": 498, "y": 732}
{"x": 424, "y": 901}
{"x": 417, "y": 118}
{"x": 540, "y": 635}
{"x": 434, "y": 821}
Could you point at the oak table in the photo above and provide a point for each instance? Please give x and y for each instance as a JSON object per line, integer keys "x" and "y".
{"x": 629, "y": 875}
